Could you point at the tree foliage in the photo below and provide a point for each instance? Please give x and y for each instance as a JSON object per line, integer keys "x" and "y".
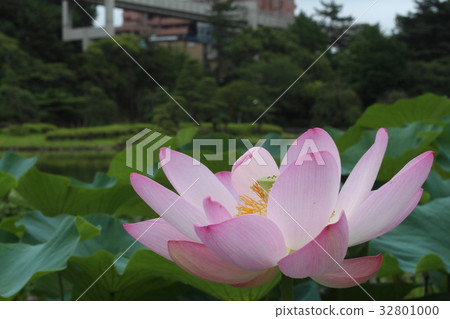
{"x": 336, "y": 105}
{"x": 223, "y": 24}
{"x": 333, "y": 23}
{"x": 373, "y": 64}
{"x": 45, "y": 79}
{"x": 425, "y": 31}
{"x": 37, "y": 24}
{"x": 425, "y": 34}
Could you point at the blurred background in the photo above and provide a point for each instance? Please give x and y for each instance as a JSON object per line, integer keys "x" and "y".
{"x": 225, "y": 62}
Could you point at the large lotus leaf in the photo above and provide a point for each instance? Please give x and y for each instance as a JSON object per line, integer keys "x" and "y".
{"x": 404, "y": 144}
{"x": 83, "y": 201}
{"x": 39, "y": 228}
{"x": 443, "y": 144}
{"x": 22, "y": 262}
{"x": 111, "y": 250}
{"x": 422, "y": 241}
{"x": 389, "y": 267}
{"x": 12, "y": 167}
{"x": 9, "y": 224}
{"x": 86, "y": 229}
{"x": 113, "y": 238}
{"x": 185, "y": 136}
{"x": 101, "y": 180}
{"x": 112, "y": 285}
{"x": 134, "y": 205}
{"x": 45, "y": 192}
{"x": 54, "y": 195}
{"x": 427, "y": 108}
{"x": 131, "y": 267}
{"x": 7, "y": 182}
{"x": 334, "y": 132}
{"x": 7, "y": 237}
{"x": 16, "y": 165}
{"x": 142, "y": 155}
{"x": 120, "y": 170}
{"x": 436, "y": 186}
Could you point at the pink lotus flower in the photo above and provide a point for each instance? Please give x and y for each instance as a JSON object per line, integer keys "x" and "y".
{"x": 226, "y": 228}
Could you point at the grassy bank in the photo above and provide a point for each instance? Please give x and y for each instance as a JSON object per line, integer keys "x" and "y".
{"x": 43, "y": 137}
{"x": 81, "y": 152}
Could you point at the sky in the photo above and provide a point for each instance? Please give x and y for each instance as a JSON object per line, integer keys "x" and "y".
{"x": 383, "y": 12}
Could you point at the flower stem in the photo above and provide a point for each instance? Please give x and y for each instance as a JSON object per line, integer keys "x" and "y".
{"x": 287, "y": 288}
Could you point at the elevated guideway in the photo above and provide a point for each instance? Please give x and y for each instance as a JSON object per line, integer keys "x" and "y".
{"x": 192, "y": 10}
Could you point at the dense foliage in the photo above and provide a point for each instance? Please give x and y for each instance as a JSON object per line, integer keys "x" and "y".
{"x": 45, "y": 79}
{"x": 58, "y": 234}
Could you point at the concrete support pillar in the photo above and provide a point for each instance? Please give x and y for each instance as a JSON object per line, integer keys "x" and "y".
{"x": 85, "y": 42}
{"x": 86, "y": 34}
{"x": 67, "y": 17}
{"x": 109, "y": 21}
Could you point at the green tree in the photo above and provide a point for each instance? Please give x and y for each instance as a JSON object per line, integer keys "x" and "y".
{"x": 222, "y": 21}
{"x": 147, "y": 101}
{"x": 37, "y": 24}
{"x": 96, "y": 108}
{"x": 425, "y": 31}
{"x": 274, "y": 73}
{"x": 105, "y": 65}
{"x": 429, "y": 76}
{"x": 11, "y": 56}
{"x": 307, "y": 33}
{"x": 333, "y": 23}
{"x": 251, "y": 45}
{"x": 17, "y": 105}
{"x": 336, "y": 105}
{"x": 48, "y": 87}
{"x": 54, "y": 86}
{"x": 373, "y": 64}
{"x": 242, "y": 101}
{"x": 197, "y": 89}
{"x": 33, "y": 90}
{"x": 168, "y": 115}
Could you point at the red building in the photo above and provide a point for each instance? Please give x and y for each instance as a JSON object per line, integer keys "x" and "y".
{"x": 142, "y": 24}
{"x": 284, "y": 8}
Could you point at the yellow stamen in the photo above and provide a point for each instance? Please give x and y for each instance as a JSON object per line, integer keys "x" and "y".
{"x": 258, "y": 190}
{"x": 252, "y": 206}
{"x": 331, "y": 217}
